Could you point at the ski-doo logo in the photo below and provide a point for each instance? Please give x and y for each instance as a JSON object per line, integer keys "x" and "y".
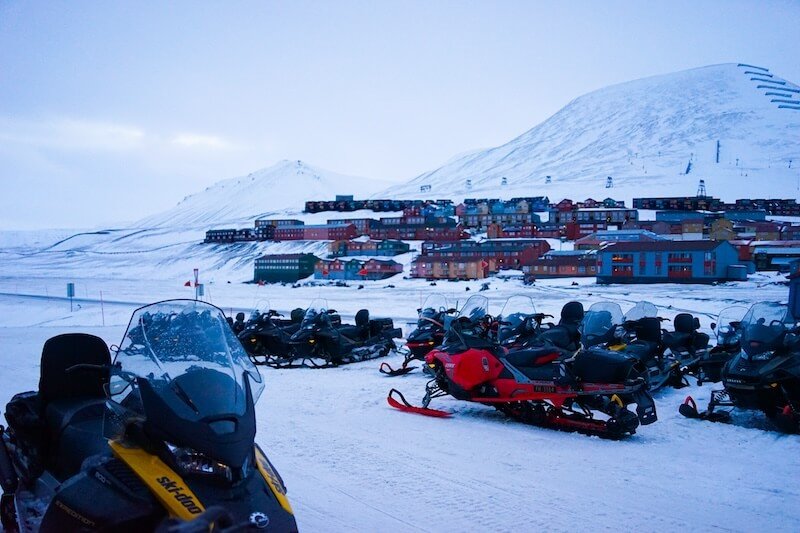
{"x": 177, "y": 493}
{"x": 259, "y": 520}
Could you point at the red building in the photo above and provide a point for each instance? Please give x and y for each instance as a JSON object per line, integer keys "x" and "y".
{"x": 503, "y": 253}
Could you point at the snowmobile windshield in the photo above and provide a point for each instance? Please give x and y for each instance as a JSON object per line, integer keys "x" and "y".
{"x": 317, "y": 309}
{"x": 641, "y": 310}
{"x": 261, "y": 307}
{"x": 184, "y": 349}
{"x": 729, "y": 324}
{"x": 763, "y": 328}
{"x": 433, "y": 306}
{"x": 517, "y": 309}
{"x": 599, "y": 320}
{"x": 475, "y": 308}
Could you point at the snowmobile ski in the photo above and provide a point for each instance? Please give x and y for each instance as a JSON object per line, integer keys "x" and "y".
{"x": 403, "y": 405}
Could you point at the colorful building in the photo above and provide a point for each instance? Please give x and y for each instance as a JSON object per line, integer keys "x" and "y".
{"x": 667, "y": 262}
{"x": 562, "y": 264}
{"x": 354, "y": 269}
{"x": 440, "y": 267}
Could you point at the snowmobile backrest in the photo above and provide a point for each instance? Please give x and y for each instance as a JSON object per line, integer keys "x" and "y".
{"x": 648, "y": 329}
{"x": 297, "y": 314}
{"x": 571, "y": 314}
{"x": 362, "y": 318}
{"x": 64, "y": 351}
{"x": 685, "y": 323}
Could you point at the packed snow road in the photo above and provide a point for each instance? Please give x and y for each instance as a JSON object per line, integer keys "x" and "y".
{"x": 351, "y": 463}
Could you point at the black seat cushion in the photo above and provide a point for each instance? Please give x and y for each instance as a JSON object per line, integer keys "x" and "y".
{"x": 648, "y": 329}
{"x": 536, "y": 363}
{"x": 598, "y": 365}
{"x": 75, "y": 432}
{"x": 684, "y": 323}
{"x": 65, "y": 351}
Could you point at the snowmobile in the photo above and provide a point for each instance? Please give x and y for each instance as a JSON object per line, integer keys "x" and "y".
{"x": 164, "y": 435}
{"x": 434, "y": 315}
{"x": 323, "y": 341}
{"x": 639, "y": 334}
{"x": 585, "y": 391}
{"x": 266, "y": 334}
{"x": 727, "y": 328}
{"x": 764, "y": 375}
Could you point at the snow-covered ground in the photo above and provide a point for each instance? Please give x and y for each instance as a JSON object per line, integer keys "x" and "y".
{"x": 351, "y": 463}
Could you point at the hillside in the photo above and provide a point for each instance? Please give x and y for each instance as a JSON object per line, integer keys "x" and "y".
{"x": 280, "y": 189}
{"x": 645, "y": 134}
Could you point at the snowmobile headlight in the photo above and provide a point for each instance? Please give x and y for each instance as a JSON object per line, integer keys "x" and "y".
{"x": 311, "y": 341}
{"x": 190, "y": 461}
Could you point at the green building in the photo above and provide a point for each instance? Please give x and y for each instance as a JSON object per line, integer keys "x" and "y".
{"x": 284, "y": 267}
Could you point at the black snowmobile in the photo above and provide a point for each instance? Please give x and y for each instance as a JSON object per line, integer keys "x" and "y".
{"x": 323, "y": 340}
{"x": 266, "y": 336}
{"x": 163, "y": 436}
{"x": 434, "y": 317}
{"x": 638, "y": 333}
{"x": 708, "y": 367}
{"x": 764, "y": 375}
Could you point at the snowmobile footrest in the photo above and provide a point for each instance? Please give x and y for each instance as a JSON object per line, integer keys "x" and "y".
{"x": 403, "y": 405}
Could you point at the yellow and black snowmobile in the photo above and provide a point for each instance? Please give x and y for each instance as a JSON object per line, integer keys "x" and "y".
{"x": 160, "y": 439}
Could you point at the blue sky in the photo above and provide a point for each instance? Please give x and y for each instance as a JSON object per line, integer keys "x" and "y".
{"x": 110, "y": 111}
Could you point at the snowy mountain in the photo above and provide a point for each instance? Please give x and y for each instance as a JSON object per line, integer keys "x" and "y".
{"x": 280, "y": 189}
{"x": 654, "y": 136}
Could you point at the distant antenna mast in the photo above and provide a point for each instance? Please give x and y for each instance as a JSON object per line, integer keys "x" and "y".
{"x": 701, "y": 189}
{"x": 549, "y": 179}
{"x": 717, "y": 151}
{"x": 504, "y": 181}
{"x": 609, "y": 183}
{"x": 469, "y": 185}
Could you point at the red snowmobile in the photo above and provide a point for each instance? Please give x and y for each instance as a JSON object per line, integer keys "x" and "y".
{"x": 587, "y": 391}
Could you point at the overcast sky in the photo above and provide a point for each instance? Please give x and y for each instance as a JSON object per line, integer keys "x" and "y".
{"x": 110, "y": 111}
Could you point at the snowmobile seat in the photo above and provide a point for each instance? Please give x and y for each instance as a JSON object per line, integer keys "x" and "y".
{"x": 532, "y": 357}
{"x": 686, "y": 337}
{"x": 561, "y": 336}
{"x": 536, "y": 363}
{"x": 598, "y": 365}
{"x": 73, "y": 400}
{"x": 361, "y": 330}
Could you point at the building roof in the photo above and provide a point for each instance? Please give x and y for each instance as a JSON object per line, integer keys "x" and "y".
{"x": 286, "y": 256}
{"x": 663, "y": 246}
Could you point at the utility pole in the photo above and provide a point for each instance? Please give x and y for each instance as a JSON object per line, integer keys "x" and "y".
{"x": 717, "y": 151}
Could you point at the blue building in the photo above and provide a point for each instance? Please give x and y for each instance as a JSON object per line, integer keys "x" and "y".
{"x": 667, "y": 262}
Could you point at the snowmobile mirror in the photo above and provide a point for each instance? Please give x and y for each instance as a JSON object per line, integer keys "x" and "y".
{"x": 713, "y": 325}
